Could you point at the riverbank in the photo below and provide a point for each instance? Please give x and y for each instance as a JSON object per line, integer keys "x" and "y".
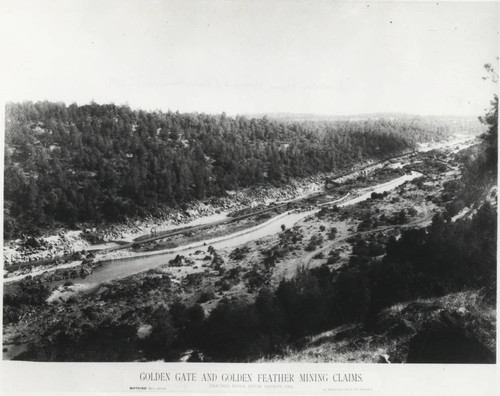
{"x": 34, "y": 250}
{"x": 65, "y": 241}
{"x": 198, "y": 214}
{"x": 220, "y": 235}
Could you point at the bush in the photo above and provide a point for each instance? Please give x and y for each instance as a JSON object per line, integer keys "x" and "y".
{"x": 91, "y": 237}
{"x": 315, "y": 240}
{"x": 224, "y": 285}
{"x": 32, "y": 243}
{"x": 239, "y": 253}
{"x": 206, "y": 296}
{"x": 334, "y": 257}
{"x": 332, "y": 234}
{"x": 310, "y": 248}
{"x": 255, "y": 279}
{"x": 217, "y": 262}
{"x": 178, "y": 261}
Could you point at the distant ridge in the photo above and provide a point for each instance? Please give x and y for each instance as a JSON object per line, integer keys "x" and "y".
{"x": 351, "y": 117}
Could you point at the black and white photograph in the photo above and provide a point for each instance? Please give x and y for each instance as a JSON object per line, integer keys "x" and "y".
{"x": 276, "y": 183}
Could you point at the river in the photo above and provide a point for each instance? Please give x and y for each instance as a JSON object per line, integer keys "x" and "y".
{"x": 120, "y": 268}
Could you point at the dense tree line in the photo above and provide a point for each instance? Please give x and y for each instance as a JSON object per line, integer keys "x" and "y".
{"x": 417, "y": 129}
{"x": 71, "y": 164}
{"x": 480, "y": 172}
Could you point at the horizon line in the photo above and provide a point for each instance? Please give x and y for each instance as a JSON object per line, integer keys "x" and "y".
{"x": 284, "y": 114}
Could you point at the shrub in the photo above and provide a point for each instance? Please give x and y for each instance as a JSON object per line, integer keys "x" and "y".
{"x": 206, "y": 296}
{"x": 334, "y": 257}
{"x": 254, "y": 279}
{"x": 239, "y": 253}
{"x": 332, "y": 234}
{"x": 310, "y": 248}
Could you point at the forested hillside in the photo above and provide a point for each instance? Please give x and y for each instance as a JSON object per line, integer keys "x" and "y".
{"x": 70, "y": 164}
{"x": 415, "y": 128}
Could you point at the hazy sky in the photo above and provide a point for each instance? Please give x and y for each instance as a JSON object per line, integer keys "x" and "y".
{"x": 252, "y": 56}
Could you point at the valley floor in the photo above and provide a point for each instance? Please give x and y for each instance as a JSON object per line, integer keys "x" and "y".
{"x": 125, "y": 285}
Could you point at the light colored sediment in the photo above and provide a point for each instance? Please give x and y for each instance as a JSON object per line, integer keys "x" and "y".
{"x": 197, "y": 213}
